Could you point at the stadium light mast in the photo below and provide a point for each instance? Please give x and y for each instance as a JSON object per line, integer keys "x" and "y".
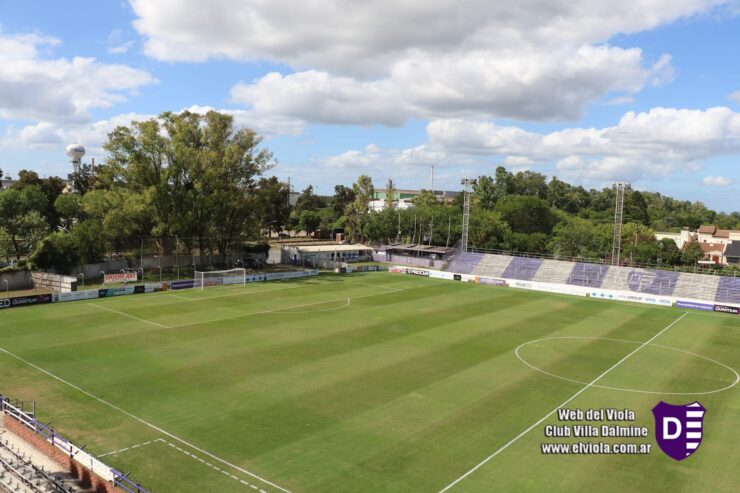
{"x": 620, "y": 188}
{"x": 466, "y": 183}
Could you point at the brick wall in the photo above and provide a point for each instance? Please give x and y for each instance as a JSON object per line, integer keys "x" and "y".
{"x": 84, "y": 475}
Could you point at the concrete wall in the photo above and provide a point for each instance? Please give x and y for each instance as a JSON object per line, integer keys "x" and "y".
{"x": 16, "y": 281}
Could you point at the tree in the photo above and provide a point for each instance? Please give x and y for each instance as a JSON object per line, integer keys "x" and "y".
{"x": 529, "y": 183}
{"x": 196, "y": 171}
{"x": 57, "y": 251}
{"x": 271, "y": 204}
{"x": 390, "y": 194}
{"x": 692, "y": 253}
{"x": 578, "y": 237}
{"x": 309, "y": 221}
{"x": 527, "y": 214}
{"x": 90, "y": 241}
{"x": 484, "y": 193}
{"x": 488, "y": 230}
{"x": 308, "y": 201}
{"x": 358, "y": 208}
{"x": 21, "y": 219}
{"x": 343, "y": 196}
{"x": 426, "y": 199}
{"x": 69, "y": 208}
{"x": 668, "y": 252}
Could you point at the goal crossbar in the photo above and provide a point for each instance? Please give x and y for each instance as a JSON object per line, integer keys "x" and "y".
{"x": 220, "y": 277}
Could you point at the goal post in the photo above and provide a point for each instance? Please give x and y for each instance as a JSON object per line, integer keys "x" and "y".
{"x": 220, "y": 277}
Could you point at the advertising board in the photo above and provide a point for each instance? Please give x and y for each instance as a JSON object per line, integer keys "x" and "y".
{"x": 131, "y": 276}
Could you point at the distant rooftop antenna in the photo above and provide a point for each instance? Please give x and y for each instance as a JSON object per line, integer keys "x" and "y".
{"x": 620, "y": 188}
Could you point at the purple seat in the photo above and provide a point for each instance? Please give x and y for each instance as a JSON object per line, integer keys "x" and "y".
{"x": 591, "y": 275}
{"x": 728, "y": 290}
{"x": 522, "y": 268}
{"x": 658, "y": 282}
{"x": 465, "y": 263}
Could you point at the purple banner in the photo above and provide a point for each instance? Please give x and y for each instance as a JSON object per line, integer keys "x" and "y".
{"x": 727, "y": 309}
{"x": 182, "y": 284}
{"x": 25, "y": 301}
{"x": 492, "y": 282}
{"x": 694, "y": 306}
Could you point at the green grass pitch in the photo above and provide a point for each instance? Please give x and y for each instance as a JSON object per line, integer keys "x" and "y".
{"x": 372, "y": 383}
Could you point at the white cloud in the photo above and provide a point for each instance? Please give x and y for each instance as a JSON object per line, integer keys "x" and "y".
{"x": 117, "y": 45}
{"x": 641, "y": 145}
{"x": 531, "y": 86}
{"x": 34, "y": 87}
{"x": 55, "y": 136}
{"x": 735, "y": 96}
{"x": 717, "y": 181}
{"x": 385, "y": 62}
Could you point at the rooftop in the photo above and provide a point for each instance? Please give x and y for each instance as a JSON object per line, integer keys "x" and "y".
{"x": 332, "y": 248}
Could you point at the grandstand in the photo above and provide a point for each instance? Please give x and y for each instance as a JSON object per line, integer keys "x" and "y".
{"x": 721, "y": 289}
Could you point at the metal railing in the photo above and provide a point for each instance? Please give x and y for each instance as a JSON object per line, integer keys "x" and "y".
{"x": 78, "y": 454}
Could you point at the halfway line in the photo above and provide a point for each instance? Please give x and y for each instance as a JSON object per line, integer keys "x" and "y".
{"x": 520, "y": 435}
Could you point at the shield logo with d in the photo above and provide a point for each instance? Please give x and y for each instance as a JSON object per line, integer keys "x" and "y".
{"x": 679, "y": 429}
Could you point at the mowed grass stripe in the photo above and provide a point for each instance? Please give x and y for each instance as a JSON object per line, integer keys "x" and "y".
{"x": 396, "y": 392}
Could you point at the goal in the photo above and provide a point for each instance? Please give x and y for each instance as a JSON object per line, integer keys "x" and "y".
{"x": 220, "y": 277}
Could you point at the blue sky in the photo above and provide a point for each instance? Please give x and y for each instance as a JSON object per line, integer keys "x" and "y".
{"x": 593, "y": 92}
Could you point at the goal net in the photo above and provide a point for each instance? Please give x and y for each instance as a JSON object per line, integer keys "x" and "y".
{"x": 220, "y": 277}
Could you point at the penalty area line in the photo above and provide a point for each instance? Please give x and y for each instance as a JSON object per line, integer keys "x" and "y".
{"x": 97, "y": 305}
{"x": 582, "y": 390}
{"x": 144, "y": 422}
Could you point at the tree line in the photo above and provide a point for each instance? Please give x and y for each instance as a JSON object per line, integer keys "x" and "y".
{"x": 197, "y": 182}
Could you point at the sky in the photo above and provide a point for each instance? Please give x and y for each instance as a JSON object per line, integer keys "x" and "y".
{"x": 590, "y": 91}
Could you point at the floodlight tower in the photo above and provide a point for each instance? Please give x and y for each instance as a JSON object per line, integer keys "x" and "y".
{"x": 466, "y": 183}
{"x": 620, "y": 188}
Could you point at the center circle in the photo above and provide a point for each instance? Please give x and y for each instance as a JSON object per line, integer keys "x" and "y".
{"x": 518, "y": 352}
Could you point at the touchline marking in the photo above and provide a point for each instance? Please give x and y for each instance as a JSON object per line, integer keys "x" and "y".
{"x": 144, "y": 422}
{"x": 586, "y": 387}
{"x": 102, "y": 307}
{"x": 216, "y": 468}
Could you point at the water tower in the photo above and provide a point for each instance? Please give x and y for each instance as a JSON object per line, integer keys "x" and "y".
{"x": 75, "y": 153}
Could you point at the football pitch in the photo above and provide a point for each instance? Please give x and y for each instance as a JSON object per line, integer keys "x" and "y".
{"x": 375, "y": 382}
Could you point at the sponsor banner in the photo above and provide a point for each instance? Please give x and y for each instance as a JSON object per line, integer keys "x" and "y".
{"x": 694, "y": 305}
{"x": 154, "y": 287}
{"x": 122, "y": 277}
{"x": 521, "y": 284}
{"x": 641, "y": 298}
{"x": 727, "y": 309}
{"x": 290, "y": 275}
{"x": 140, "y": 289}
{"x": 397, "y": 270}
{"x": 90, "y": 294}
{"x": 457, "y": 277}
{"x": 25, "y": 301}
{"x": 417, "y": 272}
{"x": 186, "y": 284}
{"x": 108, "y": 292}
{"x": 492, "y": 282}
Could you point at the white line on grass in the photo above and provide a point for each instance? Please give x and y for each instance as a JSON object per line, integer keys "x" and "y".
{"x": 144, "y": 422}
{"x": 121, "y": 450}
{"x": 245, "y": 315}
{"x": 99, "y": 305}
{"x": 586, "y": 387}
{"x": 285, "y": 311}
